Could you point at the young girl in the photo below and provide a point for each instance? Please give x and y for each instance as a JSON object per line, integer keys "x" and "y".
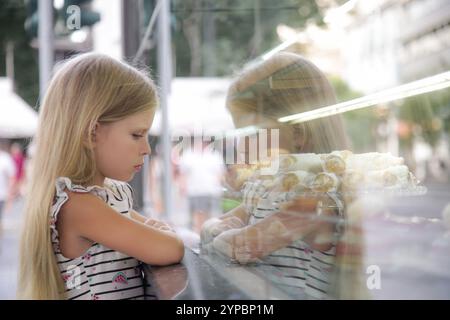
{"x": 81, "y": 238}
{"x": 283, "y": 234}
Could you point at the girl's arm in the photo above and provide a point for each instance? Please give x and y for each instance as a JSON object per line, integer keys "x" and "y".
{"x": 138, "y": 217}
{"x": 298, "y": 220}
{"x": 91, "y": 218}
{"x": 235, "y": 218}
{"x": 150, "y": 221}
{"x": 238, "y": 212}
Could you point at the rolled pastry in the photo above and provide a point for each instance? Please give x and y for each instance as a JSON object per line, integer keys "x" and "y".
{"x": 325, "y": 182}
{"x": 353, "y": 180}
{"x": 344, "y": 154}
{"x": 295, "y": 178}
{"x": 372, "y": 161}
{"x": 310, "y": 162}
{"x": 334, "y": 163}
{"x": 395, "y": 176}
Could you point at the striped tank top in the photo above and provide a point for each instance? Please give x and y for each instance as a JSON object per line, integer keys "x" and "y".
{"x": 100, "y": 273}
{"x": 296, "y": 266}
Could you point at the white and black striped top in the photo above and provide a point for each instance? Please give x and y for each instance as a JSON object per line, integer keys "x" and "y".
{"x": 100, "y": 273}
{"x": 296, "y": 265}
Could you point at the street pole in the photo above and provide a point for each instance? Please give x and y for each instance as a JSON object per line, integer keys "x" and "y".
{"x": 130, "y": 45}
{"x": 45, "y": 36}
{"x": 10, "y": 63}
{"x": 165, "y": 73}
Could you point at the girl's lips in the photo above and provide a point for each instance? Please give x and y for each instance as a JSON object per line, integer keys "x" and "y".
{"x": 137, "y": 168}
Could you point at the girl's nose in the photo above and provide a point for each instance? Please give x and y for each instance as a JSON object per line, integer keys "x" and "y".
{"x": 147, "y": 150}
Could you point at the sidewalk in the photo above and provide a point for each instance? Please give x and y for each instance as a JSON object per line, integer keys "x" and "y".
{"x": 9, "y": 250}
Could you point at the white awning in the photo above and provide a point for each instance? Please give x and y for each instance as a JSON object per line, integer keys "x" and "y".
{"x": 196, "y": 106}
{"x": 17, "y": 118}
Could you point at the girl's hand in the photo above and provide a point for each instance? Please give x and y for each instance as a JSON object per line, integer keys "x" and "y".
{"x": 226, "y": 224}
{"x": 240, "y": 245}
{"x": 312, "y": 219}
{"x": 307, "y": 218}
{"x": 302, "y": 204}
{"x": 213, "y": 227}
{"x": 159, "y": 225}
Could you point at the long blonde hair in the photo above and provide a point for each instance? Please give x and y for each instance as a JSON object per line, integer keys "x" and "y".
{"x": 86, "y": 89}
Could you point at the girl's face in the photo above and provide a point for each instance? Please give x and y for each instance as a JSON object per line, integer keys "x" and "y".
{"x": 120, "y": 147}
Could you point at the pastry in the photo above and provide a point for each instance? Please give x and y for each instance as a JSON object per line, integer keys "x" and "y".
{"x": 310, "y": 162}
{"x": 293, "y": 179}
{"x": 325, "y": 182}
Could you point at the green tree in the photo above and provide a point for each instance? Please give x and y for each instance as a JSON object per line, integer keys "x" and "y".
{"x": 215, "y": 38}
{"x": 428, "y": 115}
{"x": 26, "y": 72}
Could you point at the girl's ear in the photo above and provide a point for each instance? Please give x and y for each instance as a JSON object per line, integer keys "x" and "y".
{"x": 94, "y": 132}
{"x": 91, "y": 136}
{"x": 300, "y": 137}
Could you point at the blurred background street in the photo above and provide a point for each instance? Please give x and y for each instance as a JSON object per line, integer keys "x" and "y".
{"x": 9, "y": 250}
{"x": 388, "y": 67}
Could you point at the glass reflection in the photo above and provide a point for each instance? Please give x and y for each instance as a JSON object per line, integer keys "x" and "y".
{"x": 290, "y": 219}
{"x": 318, "y": 220}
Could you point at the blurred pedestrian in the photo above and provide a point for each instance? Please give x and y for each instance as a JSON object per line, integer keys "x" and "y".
{"x": 203, "y": 170}
{"x": 18, "y": 158}
{"x": 6, "y": 178}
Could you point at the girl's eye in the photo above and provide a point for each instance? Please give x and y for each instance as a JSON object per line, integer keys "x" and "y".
{"x": 137, "y": 136}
